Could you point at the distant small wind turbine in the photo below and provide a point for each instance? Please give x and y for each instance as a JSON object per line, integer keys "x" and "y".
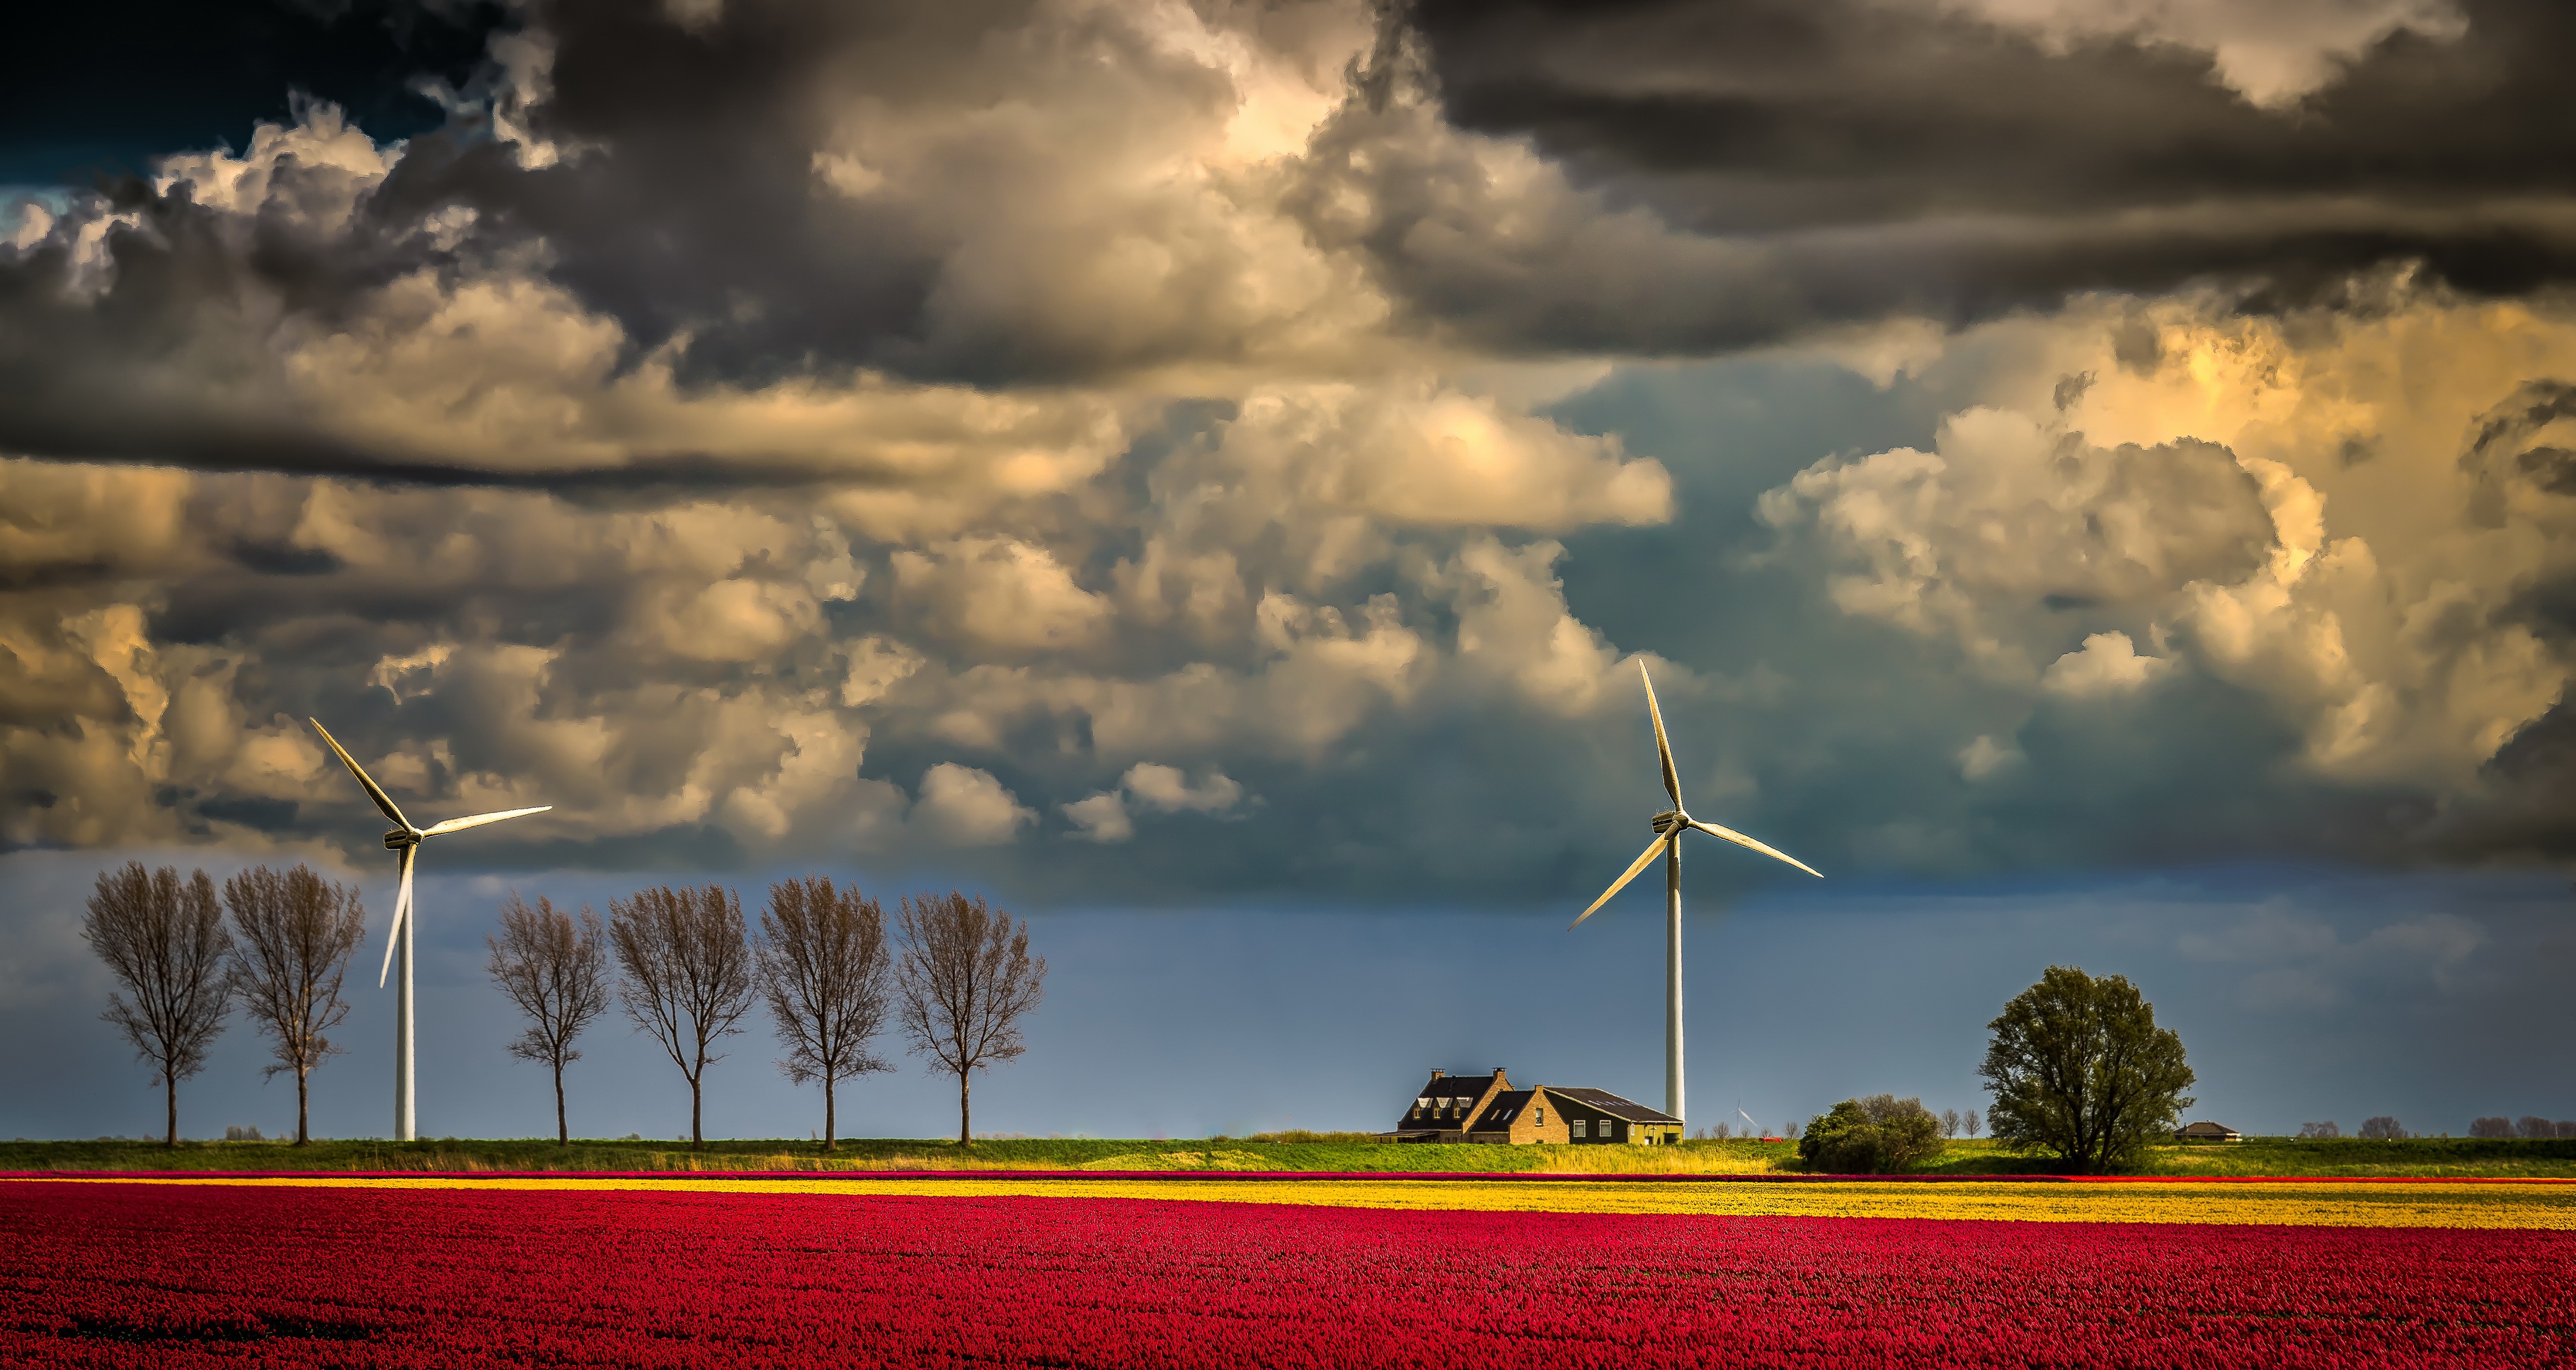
{"x": 405, "y": 839}
{"x": 1669, "y": 827}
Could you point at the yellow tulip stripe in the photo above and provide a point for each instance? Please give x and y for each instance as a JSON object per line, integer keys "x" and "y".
{"x": 2290, "y": 1203}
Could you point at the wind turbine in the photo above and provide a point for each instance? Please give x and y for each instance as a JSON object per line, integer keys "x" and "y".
{"x": 405, "y": 839}
{"x": 1669, "y": 827}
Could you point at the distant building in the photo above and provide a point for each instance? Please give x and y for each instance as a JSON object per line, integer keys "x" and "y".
{"x": 2208, "y": 1132}
{"x": 1487, "y": 1109}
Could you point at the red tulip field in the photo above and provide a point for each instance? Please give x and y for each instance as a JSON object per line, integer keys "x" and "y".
{"x": 206, "y": 1274}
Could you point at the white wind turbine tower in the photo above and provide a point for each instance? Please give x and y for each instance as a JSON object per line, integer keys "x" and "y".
{"x": 1669, "y": 827}
{"x": 406, "y": 840}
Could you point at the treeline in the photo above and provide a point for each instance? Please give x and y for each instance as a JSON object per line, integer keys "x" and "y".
{"x": 2529, "y": 1127}
{"x": 1948, "y": 1123}
{"x": 953, "y": 976}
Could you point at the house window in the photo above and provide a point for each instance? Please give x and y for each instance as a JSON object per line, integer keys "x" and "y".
{"x": 1539, "y": 1117}
{"x": 1577, "y": 1125}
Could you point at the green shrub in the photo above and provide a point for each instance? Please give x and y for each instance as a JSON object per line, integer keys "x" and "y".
{"x": 1879, "y": 1135}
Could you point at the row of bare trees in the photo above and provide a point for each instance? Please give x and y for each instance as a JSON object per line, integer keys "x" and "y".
{"x": 181, "y": 966}
{"x": 957, "y": 978}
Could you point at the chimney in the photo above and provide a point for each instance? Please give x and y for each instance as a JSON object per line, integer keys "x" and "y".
{"x": 1439, "y": 1074}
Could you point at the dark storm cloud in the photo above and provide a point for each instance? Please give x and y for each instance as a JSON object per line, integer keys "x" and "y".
{"x": 2527, "y": 808}
{"x": 167, "y": 364}
{"x": 694, "y": 195}
{"x": 1804, "y": 163}
{"x": 95, "y": 89}
{"x": 693, "y": 202}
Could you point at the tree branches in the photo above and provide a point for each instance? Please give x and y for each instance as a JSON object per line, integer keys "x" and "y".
{"x": 966, "y": 978}
{"x": 165, "y": 942}
{"x": 296, "y": 931}
{"x": 823, "y": 966}
{"x": 556, "y": 970}
{"x": 684, "y": 975}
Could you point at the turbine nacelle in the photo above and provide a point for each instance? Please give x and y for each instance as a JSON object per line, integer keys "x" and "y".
{"x": 1670, "y": 819}
{"x": 400, "y": 838}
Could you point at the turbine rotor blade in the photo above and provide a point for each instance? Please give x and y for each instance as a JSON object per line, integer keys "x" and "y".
{"x": 1741, "y": 840}
{"x": 478, "y": 820}
{"x": 1663, "y": 748}
{"x": 375, "y": 791}
{"x": 402, "y": 910}
{"x": 1653, "y": 850}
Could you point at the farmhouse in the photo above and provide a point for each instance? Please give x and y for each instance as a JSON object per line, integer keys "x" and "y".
{"x": 2208, "y": 1132}
{"x": 1488, "y": 1109}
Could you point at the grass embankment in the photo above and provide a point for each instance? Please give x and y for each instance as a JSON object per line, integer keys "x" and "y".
{"x": 1295, "y": 1151}
{"x": 2428, "y": 1157}
{"x": 2347, "y": 1157}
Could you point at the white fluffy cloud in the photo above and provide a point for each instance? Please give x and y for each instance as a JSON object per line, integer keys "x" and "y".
{"x": 2257, "y": 503}
{"x": 2107, "y": 664}
{"x": 965, "y": 807}
{"x": 1167, "y": 790}
{"x": 998, "y": 592}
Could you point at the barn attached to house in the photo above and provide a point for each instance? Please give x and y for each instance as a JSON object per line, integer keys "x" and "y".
{"x": 1488, "y": 1109}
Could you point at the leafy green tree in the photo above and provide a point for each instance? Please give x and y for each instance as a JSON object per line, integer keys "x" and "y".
{"x": 1879, "y": 1135}
{"x": 2078, "y": 1067}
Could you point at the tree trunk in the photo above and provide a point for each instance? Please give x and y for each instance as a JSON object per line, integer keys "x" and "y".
{"x": 563, "y": 1134}
{"x": 827, "y": 1112}
{"x": 301, "y": 1136}
{"x": 167, "y": 1079}
{"x": 965, "y": 1137}
{"x": 695, "y": 1141}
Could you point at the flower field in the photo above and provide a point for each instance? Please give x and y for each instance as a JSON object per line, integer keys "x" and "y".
{"x": 2304, "y": 1203}
{"x": 187, "y": 1274}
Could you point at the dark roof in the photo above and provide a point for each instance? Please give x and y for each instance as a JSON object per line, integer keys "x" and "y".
{"x": 2207, "y": 1129}
{"x": 1467, "y": 1087}
{"x": 1613, "y": 1105}
{"x": 1503, "y": 1110}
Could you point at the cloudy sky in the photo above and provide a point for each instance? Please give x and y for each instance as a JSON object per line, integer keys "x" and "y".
{"x": 2093, "y": 477}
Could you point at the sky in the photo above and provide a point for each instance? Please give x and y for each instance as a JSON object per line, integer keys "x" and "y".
{"x": 2092, "y": 477}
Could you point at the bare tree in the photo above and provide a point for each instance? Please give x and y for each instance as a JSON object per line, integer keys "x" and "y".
{"x": 685, "y": 975}
{"x": 966, "y": 978}
{"x": 1949, "y": 1122}
{"x": 2382, "y": 1128}
{"x": 824, "y": 968}
{"x": 165, "y": 942}
{"x": 555, "y": 968}
{"x": 2326, "y": 1130}
{"x": 1968, "y": 1123}
{"x": 295, "y": 931}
